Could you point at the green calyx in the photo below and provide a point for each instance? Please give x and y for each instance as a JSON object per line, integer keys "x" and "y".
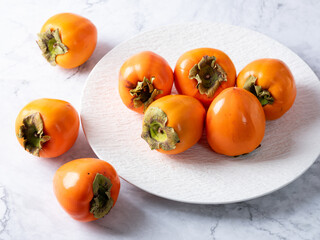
{"x": 156, "y": 133}
{"x": 32, "y": 133}
{"x": 263, "y": 95}
{"x": 101, "y": 202}
{"x": 209, "y": 75}
{"x": 51, "y": 45}
{"x": 144, "y": 93}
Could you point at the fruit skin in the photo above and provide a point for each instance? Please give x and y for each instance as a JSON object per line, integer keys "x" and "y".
{"x": 61, "y": 123}
{"x": 79, "y": 34}
{"x": 187, "y": 60}
{"x": 186, "y": 115}
{"x": 75, "y": 193}
{"x": 274, "y": 76}
{"x": 144, "y": 64}
{"x": 235, "y": 123}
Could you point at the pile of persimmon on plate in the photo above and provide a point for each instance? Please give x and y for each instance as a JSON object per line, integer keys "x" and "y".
{"x": 232, "y": 108}
{"x": 86, "y": 188}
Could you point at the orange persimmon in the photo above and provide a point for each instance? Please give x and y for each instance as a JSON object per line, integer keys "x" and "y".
{"x": 47, "y": 127}
{"x": 173, "y": 123}
{"x": 203, "y": 73}
{"x": 272, "y": 82}
{"x": 235, "y": 122}
{"x": 86, "y": 188}
{"x": 67, "y": 39}
{"x": 143, "y": 78}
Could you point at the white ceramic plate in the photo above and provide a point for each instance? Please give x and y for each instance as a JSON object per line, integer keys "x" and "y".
{"x": 290, "y": 146}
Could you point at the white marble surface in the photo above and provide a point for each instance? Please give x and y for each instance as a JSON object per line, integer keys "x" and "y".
{"x": 28, "y": 208}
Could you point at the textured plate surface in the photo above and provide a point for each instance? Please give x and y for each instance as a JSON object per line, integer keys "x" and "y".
{"x": 290, "y": 146}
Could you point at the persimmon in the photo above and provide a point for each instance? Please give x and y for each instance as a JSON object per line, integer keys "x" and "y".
{"x": 203, "y": 73}
{"x": 235, "y": 122}
{"x": 86, "y": 188}
{"x": 173, "y": 123}
{"x": 67, "y": 39}
{"x": 272, "y": 82}
{"x": 144, "y": 77}
{"x": 47, "y": 127}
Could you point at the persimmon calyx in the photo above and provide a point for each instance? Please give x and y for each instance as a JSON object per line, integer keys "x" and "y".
{"x": 156, "y": 133}
{"x": 101, "y": 202}
{"x": 144, "y": 93}
{"x": 31, "y": 131}
{"x": 263, "y": 95}
{"x": 208, "y": 74}
{"x": 51, "y": 45}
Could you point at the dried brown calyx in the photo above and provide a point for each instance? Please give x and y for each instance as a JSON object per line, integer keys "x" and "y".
{"x": 31, "y": 131}
{"x": 51, "y": 45}
{"x": 209, "y": 75}
{"x": 263, "y": 95}
{"x": 101, "y": 202}
{"x": 144, "y": 93}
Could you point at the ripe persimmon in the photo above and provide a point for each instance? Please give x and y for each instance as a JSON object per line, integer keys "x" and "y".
{"x": 173, "y": 123}
{"x": 203, "y": 73}
{"x": 235, "y": 122}
{"x": 272, "y": 82}
{"x": 86, "y": 188}
{"x": 67, "y": 39}
{"x": 47, "y": 127}
{"x": 143, "y": 78}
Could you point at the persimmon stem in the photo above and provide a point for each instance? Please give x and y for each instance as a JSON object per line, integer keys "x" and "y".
{"x": 101, "y": 202}
{"x": 156, "y": 133}
{"x": 208, "y": 74}
{"x": 144, "y": 93}
{"x": 31, "y": 131}
{"x": 51, "y": 45}
{"x": 263, "y": 95}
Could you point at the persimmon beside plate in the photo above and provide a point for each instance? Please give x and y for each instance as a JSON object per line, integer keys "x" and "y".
{"x": 290, "y": 146}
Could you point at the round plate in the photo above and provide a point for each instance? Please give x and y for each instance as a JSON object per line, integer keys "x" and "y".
{"x": 290, "y": 146}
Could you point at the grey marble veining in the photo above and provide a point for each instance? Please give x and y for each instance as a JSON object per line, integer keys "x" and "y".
{"x": 28, "y": 208}
{"x": 4, "y": 212}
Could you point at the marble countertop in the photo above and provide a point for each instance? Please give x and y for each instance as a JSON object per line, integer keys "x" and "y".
{"x": 28, "y": 208}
